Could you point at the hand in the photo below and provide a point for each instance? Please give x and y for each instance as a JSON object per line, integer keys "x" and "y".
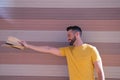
{"x": 23, "y": 43}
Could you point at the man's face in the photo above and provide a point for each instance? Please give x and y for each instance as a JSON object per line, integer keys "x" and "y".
{"x": 71, "y": 37}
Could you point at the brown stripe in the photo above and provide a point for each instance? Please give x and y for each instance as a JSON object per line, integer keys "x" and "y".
{"x": 104, "y": 48}
{"x": 60, "y": 13}
{"x": 31, "y": 58}
{"x": 34, "y": 24}
{"x": 107, "y": 48}
{"x": 110, "y": 60}
{"x": 39, "y": 78}
{"x": 108, "y": 51}
{"x": 48, "y": 59}
{"x": 32, "y": 78}
{"x": 111, "y": 79}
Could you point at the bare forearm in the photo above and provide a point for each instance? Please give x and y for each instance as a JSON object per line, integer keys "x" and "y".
{"x": 45, "y": 49}
{"x": 101, "y": 76}
{"x": 39, "y": 48}
{"x": 99, "y": 70}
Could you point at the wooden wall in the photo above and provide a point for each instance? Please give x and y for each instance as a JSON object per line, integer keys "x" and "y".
{"x": 43, "y": 22}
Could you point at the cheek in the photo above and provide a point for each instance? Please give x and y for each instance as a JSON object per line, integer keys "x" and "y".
{"x": 70, "y": 37}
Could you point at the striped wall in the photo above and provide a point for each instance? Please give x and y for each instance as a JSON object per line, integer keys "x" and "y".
{"x": 43, "y": 22}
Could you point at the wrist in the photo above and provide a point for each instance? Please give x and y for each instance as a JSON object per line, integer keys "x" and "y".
{"x": 26, "y": 46}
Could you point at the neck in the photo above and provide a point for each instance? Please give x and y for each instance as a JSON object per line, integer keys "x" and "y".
{"x": 78, "y": 42}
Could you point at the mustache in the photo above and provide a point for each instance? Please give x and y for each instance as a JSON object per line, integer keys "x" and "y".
{"x": 69, "y": 39}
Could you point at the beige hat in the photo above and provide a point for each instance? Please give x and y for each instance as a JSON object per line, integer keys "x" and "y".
{"x": 14, "y": 43}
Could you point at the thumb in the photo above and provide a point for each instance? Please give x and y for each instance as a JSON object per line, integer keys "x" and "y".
{"x": 21, "y": 43}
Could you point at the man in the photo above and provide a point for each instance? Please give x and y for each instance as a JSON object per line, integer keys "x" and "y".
{"x": 82, "y": 58}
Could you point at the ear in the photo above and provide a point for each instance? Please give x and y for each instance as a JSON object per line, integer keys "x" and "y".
{"x": 77, "y": 34}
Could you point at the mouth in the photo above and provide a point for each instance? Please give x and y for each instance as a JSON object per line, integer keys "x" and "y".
{"x": 69, "y": 40}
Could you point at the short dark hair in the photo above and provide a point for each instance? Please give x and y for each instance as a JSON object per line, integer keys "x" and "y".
{"x": 74, "y": 28}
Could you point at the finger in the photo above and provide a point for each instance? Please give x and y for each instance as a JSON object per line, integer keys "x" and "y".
{"x": 21, "y": 43}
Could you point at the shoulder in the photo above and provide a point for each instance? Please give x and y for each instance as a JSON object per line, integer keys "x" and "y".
{"x": 65, "y": 48}
{"x": 89, "y": 46}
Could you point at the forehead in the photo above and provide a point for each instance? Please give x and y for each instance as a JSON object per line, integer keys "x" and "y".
{"x": 70, "y": 31}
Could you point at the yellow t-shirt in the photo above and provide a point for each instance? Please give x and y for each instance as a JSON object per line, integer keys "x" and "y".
{"x": 80, "y": 61}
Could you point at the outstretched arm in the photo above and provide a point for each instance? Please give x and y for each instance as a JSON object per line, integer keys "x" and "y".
{"x": 45, "y": 49}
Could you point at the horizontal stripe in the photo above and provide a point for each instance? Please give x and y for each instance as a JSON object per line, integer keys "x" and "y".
{"x": 60, "y": 13}
{"x": 31, "y": 58}
{"x": 61, "y": 3}
{"x": 108, "y": 51}
{"x": 33, "y": 70}
{"x": 104, "y": 48}
{"x": 49, "y": 70}
{"x": 111, "y": 60}
{"x": 39, "y": 78}
{"x": 34, "y": 24}
{"x": 20, "y": 57}
{"x": 35, "y": 78}
{"x": 112, "y": 72}
{"x": 61, "y": 36}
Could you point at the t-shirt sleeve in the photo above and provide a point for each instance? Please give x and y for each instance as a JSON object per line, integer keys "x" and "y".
{"x": 62, "y": 51}
{"x": 95, "y": 55}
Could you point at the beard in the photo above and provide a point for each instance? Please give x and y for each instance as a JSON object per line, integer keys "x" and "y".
{"x": 72, "y": 41}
